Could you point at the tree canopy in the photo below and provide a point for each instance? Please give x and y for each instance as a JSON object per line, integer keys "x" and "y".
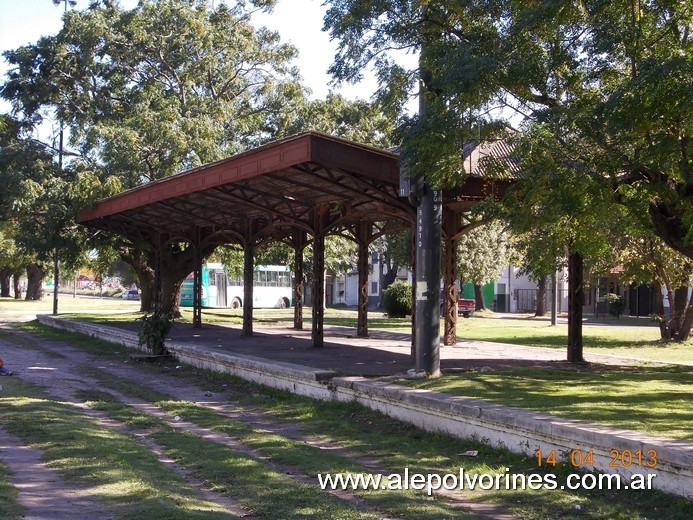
{"x": 151, "y": 91}
{"x": 608, "y": 83}
{"x": 483, "y": 253}
{"x": 147, "y": 93}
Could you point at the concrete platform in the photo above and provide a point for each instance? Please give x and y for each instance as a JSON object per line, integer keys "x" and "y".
{"x": 381, "y": 354}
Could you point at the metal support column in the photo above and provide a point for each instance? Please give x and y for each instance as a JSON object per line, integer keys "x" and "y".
{"x": 554, "y": 299}
{"x": 56, "y": 280}
{"x": 413, "y": 296}
{"x": 429, "y": 205}
{"x": 575, "y": 303}
{"x": 158, "y": 287}
{"x": 428, "y": 241}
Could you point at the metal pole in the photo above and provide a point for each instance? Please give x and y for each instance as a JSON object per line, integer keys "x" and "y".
{"x": 554, "y": 299}
{"x": 299, "y": 242}
{"x": 363, "y": 235}
{"x": 248, "y": 279}
{"x": 56, "y": 258}
{"x": 319, "y": 224}
{"x": 428, "y": 241}
{"x": 56, "y": 277}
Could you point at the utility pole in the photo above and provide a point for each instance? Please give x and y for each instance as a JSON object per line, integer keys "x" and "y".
{"x": 554, "y": 299}
{"x": 56, "y": 255}
{"x": 429, "y": 211}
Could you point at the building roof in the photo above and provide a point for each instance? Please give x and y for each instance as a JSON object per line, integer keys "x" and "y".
{"x": 494, "y": 158}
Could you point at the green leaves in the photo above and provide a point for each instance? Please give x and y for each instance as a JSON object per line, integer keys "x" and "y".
{"x": 163, "y": 87}
{"x": 608, "y": 83}
{"x": 483, "y": 253}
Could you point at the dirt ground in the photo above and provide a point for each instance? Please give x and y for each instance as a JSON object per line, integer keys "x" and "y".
{"x": 46, "y": 495}
{"x": 42, "y": 490}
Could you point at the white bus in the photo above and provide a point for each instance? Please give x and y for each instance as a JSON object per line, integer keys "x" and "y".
{"x": 271, "y": 287}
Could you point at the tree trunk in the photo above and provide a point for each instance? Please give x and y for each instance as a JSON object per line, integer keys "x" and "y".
{"x": 141, "y": 262}
{"x": 684, "y": 331}
{"x": 541, "y": 297}
{"x": 5, "y": 283}
{"x": 35, "y": 276}
{"x": 575, "y": 301}
{"x": 387, "y": 279}
{"x": 678, "y": 310}
{"x": 176, "y": 264}
{"x": 479, "y": 297}
{"x": 170, "y": 292}
{"x": 16, "y": 275}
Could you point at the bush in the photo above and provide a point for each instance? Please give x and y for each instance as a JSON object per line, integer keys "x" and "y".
{"x": 397, "y": 299}
{"x": 616, "y": 303}
{"x": 155, "y": 327}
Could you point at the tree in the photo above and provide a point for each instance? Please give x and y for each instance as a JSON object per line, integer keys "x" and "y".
{"x": 152, "y": 91}
{"x": 541, "y": 297}
{"x": 481, "y": 256}
{"x": 12, "y": 262}
{"x": 170, "y": 85}
{"x": 390, "y": 249}
{"x": 603, "y": 86}
{"x": 39, "y": 202}
{"x": 564, "y": 218}
{"x": 646, "y": 259}
{"x": 399, "y": 247}
{"x": 357, "y": 120}
{"x": 610, "y": 82}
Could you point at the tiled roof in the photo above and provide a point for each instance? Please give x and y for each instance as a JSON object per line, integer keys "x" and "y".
{"x": 491, "y": 159}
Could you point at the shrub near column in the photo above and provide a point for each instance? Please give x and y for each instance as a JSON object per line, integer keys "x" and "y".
{"x": 155, "y": 327}
{"x": 397, "y": 299}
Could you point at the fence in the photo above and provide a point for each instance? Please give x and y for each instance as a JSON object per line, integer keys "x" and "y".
{"x": 527, "y": 300}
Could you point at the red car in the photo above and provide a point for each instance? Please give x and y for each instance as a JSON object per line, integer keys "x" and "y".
{"x": 465, "y": 307}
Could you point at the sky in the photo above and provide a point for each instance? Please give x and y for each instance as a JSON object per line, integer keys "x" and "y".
{"x": 298, "y": 21}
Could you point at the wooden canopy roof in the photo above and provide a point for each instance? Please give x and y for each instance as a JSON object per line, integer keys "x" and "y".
{"x": 268, "y": 192}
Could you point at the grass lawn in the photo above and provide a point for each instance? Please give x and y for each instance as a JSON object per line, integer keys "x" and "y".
{"x": 9, "y": 307}
{"x": 654, "y": 400}
{"x": 638, "y": 338}
{"x": 629, "y": 337}
{"x": 626, "y": 337}
{"x": 127, "y": 476}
